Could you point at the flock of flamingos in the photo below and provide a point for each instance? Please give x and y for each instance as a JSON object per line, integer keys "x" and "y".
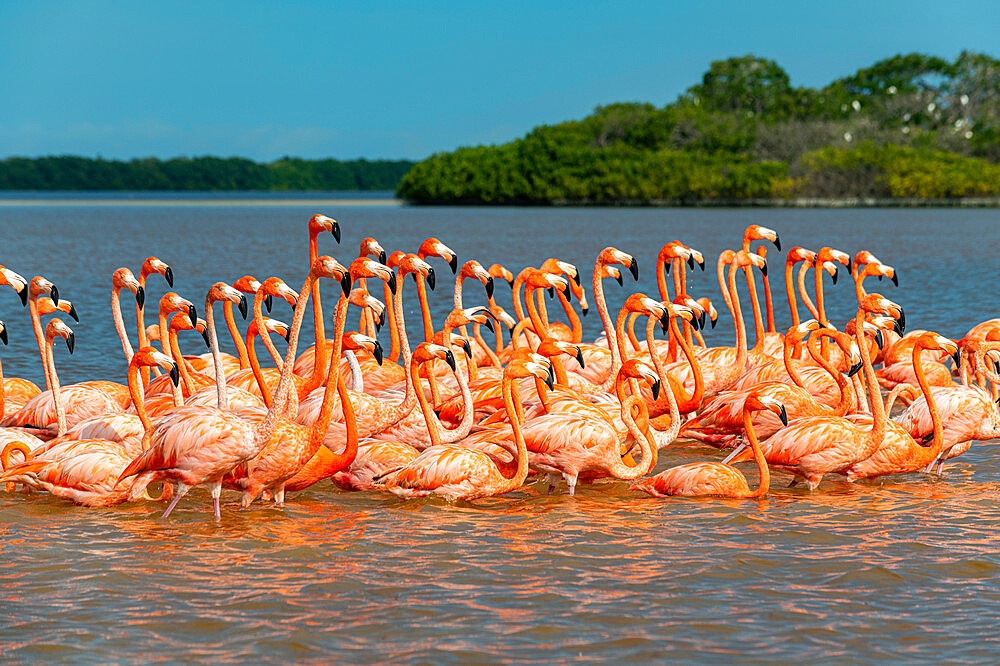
{"x": 491, "y": 397}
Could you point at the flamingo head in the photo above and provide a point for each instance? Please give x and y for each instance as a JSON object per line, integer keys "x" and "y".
{"x": 19, "y": 284}
{"x": 531, "y": 366}
{"x": 147, "y": 357}
{"x": 611, "y": 272}
{"x": 610, "y": 255}
{"x": 759, "y": 401}
{"x": 271, "y": 326}
{"x": 412, "y": 264}
{"x": 319, "y": 223}
{"x": 275, "y": 287}
{"x": 392, "y": 261}
{"x": 499, "y": 272}
{"x": 864, "y": 257}
{"x": 474, "y": 269}
{"x": 354, "y": 341}
{"x": 804, "y": 329}
{"x": 880, "y": 271}
{"x": 124, "y": 279}
{"x": 636, "y": 369}
{"x": 797, "y": 254}
{"x": 154, "y": 265}
{"x": 696, "y": 307}
{"x": 362, "y": 267}
{"x": 930, "y": 340}
{"x": 220, "y": 291}
{"x": 706, "y": 305}
{"x": 432, "y": 247}
{"x": 361, "y": 298}
{"x": 757, "y": 232}
{"x": 503, "y": 317}
{"x": 558, "y": 266}
{"x": 371, "y": 248}
{"x": 47, "y": 306}
{"x": 247, "y": 284}
{"x": 172, "y": 302}
{"x": 880, "y": 305}
{"x": 56, "y": 328}
{"x": 831, "y": 254}
{"x": 428, "y": 351}
{"x": 39, "y": 286}
{"x": 550, "y": 348}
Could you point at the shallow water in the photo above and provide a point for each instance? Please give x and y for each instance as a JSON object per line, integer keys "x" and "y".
{"x": 903, "y": 569}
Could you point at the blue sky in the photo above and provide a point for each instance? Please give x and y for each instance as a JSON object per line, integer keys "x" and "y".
{"x": 394, "y": 80}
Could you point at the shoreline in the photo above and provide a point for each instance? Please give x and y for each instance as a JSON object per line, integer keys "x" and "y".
{"x": 194, "y": 203}
{"x": 803, "y": 202}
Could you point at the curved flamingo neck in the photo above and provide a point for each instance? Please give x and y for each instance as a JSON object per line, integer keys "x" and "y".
{"x": 663, "y": 438}
{"x": 820, "y": 306}
{"x": 321, "y": 355}
{"x": 134, "y": 390}
{"x": 758, "y": 324}
{"x": 609, "y": 329}
{"x": 36, "y": 326}
{"x": 793, "y": 305}
{"x": 847, "y": 400}
{"x": 574, "y": 321}
{"x": 791, "y": 341}
{"x": 758, "y": 456}
{"x": 720, "y": 269}
{"x": 804, "y": 293}
{"x": 661, "y": 277}
{"x": 741, "y": 331}
{"x": 934, "y": 450}
{"x": 265, "y": 391}
{"x": 389, "y": 300}
{"x": 425, "y": 309}
{"x": 221, "y": 391}
{"x": 877, "y": 433}
{"x": 56, "y": 391}
{"x": 768, "y": 304}
{"x": 175, "y": 353}
{"x": 318, "y": 431}
{"x": 116, "y": 315}
{"x": 140, "y": 320}
{"x": 690, "y": 403}
{"x": 434, "y": 427}
{"x": 512, "y": 401}
{"x": 234, "y": 333}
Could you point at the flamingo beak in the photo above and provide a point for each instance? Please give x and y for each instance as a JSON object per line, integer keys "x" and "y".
{"x": 714, "y": 321}
{"x": 576, "y": 278}
{"x": 957, "y": 356}
{"x": 621, "y": 283}
{"x": 72, "y": 313}
{"x": 836, "y": 274}
{"x": 268, "y": 301}
{"x": 550, "y": 378}
{"x": 243, "y": 306}
{"x": 431, "y": 278}
{"x": 783, "y": 415}
{"x": 335, "y": 230}
{"x": 552, "y": 292}
{"x": 895, "y": 280}
{"x": 175, "y": 374}
{"x": 71, "y": 342}
{"x": 193, "y": 313}
{"x": 489, "y": 287}
{"x": 449, "y": 358}
{"x": 854, "y": 369}
{"x": 702, "y": 264}
{"x": 288, "y": 335}
{"x": 206, "y": 338}
{"x": 777, "y": 242}
{"x": 489, "y": 324}
{"x": 634, "y": 269}
{"x": 3, "y": 335}
{"x": 169, "y": 275}
{"x": 665, "y": 321}
{"x": 879, "y": 339}
{"x": 655, "y": 387}
{"x": 382, "y": 256}
{"x": 377, "y": 352}
{"x": 579, "y": 357}
{"x": 763, "y": 271}
{"x": 690, "y": 261}
{"x": 453, "y": 262}
{"x": 584, "y": 311}
{"x": 902, "y": 321}
{"x": 140, "y": 296}
{"x": 392, "y": 283}
{"x": 345, "y": 284}
{"x": 54, "y": 293}
{"x": 24, "y": 296}
{"x": 467, "y": 348}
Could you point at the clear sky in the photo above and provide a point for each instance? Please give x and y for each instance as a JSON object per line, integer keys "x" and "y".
{"x": 393, "y": 79}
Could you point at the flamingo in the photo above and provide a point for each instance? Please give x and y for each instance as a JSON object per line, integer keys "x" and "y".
{"x": 455, "y": 472}
{"x": 719, "y": 479}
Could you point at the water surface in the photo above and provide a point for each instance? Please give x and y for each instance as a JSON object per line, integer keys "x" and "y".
{"x": 906, "y": 568}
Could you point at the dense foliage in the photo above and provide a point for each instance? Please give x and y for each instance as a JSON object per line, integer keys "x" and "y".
{"x": 199, "y": 173}
{"x": 910, "y": 126}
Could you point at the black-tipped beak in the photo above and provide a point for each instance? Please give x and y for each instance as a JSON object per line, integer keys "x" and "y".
{"x": 449, "y": 358}
{"x": 431, "y": 278}
{"x": 836, "y": 274}
{"x": 489, "y": 287}
{"x": 701, "y": 319}
{"x": 206, "y": 338}
{"x": 392, "y": 283}
{"x": 879, "y": 339}
{"x": 957, "y": 357}
{"x": 511, "y": 283}
{"x": 655, "y": 387}
{"x": 467, "y": 348}
{"x": 71, "y": 342}
{"x": 175, "y": 374}
{"x": 634, "y": 269}
{"x": 72, "y": 312}
{"x": 668, "y": 265}
{"x": 690, "y": 262}
{"x": 377, "y": 352}
{"x": 777, "y": 242}
{"x": 140, "y": 296}
{"x": 243, "y": 306}
{"x": 54, "y": 293}
{"x": 293, "y": 304}
{"x": 576, "y": 278}
{"x": 763, "y": 271}
{"x": 378, "y": 326}
{"x": 568, "y": 291}
{"x": 3, "y": 336}
{"x": 288, "y": 335}
{"x": 584, "y": 311}
{"x": 702, "y": 264}
{"x": 193, "y": 314}
{"x": 335, "y": 230}
{"x": 714, "y": 321}
{"x": 902, "y": 321}
{"x": 783, "y": 415}
{"x": 665, "y": 321}
{"x": 621, "y": 283}
{"x": 896, "y": 327}
{"x": 550, "y": 378}
{"x": 489, "y": 324}
{"x": 579, "y": 357}
{"x": 24, "y": 296}
{"x": 268, "y": 302}
{"x": 895, "y": 280}
{"x": 453, "y": 262}
{"x": 551, "y": 292}
{"x": 345, "y": 284}
{"x": 854, "y": 369}
{"x": 169, "y": 275}
{"x": 382, "y": 256}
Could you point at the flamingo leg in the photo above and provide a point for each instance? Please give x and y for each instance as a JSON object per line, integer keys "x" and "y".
{"x": 216, "y": 493}
{"x": 794, "y": 482}
{"x": 736, "y": 452}
{"x": 181, "y": 491}
{"x": 279, "y": 496}
{"x": 571, "y": 481}
{"x": 553, "y": 480}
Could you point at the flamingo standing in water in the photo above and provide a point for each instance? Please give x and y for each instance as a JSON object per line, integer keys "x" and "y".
{"x": 719, "y": 479}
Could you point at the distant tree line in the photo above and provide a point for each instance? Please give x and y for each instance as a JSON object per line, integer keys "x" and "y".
{"x": 199, "y": 173}
{"x": 912, "y": 126}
